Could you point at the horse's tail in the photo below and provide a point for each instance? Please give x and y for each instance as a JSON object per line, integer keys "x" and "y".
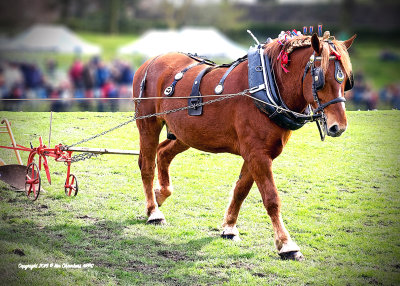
{"x": 142, "y": 86}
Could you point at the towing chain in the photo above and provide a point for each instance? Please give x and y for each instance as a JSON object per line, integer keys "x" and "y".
{"x": 82, "y": 157}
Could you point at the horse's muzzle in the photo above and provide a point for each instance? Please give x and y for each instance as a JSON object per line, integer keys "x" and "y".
{"x": 335, "y": 131}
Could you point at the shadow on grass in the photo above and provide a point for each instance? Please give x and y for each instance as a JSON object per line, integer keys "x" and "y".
{"x": 113, "y": 247}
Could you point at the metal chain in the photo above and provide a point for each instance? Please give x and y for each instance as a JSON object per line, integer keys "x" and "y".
{"x": 82, "y": 157}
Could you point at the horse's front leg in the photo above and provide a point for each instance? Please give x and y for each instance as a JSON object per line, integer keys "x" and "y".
{"x": 240, "y": 192}
{"x": 260, "y": 167}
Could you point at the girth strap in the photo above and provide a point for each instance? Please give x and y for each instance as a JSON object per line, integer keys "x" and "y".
{"x": 195, "y": 95}
{"x": 220, "y": 87}
{"x": 169, "y": 91}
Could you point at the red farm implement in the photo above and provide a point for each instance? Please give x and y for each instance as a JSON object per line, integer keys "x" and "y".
{"x": 28, "y": 177}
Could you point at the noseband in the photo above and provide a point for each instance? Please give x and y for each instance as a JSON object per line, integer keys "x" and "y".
{"x": 318, "y": 82}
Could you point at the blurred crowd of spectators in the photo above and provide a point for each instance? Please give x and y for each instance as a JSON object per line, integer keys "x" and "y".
{"x": 364, "y": 97}
{"x": 91, "y": 80}
{"x": 98, "y": 80}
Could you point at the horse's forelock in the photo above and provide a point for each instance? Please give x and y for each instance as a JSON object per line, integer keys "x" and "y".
{"x": 344, "y": 56}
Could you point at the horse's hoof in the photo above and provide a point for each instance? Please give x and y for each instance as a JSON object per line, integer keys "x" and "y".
{"x": 157, "y": 217}
{"x": 292, "y": 255}
{"x": 157, "y": 221}
{"x": 232, "y": 237}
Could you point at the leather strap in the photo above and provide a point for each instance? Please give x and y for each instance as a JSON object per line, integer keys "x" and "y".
{"x": 143, "y": 82}
{"x": 220, "y": 87}
{"x": 169, "y": 91}
{"x": 321, "y": 107}
{"x": 195, "y": 95}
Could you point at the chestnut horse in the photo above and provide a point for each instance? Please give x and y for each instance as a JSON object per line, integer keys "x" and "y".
{"x": 234, "y": 125}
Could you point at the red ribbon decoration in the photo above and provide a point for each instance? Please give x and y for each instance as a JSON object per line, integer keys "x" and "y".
{"x": 284, "y": 57}
{"x": 336, "y": 54}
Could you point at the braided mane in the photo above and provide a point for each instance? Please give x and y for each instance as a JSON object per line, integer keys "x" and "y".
{"x": 274, "y": 49}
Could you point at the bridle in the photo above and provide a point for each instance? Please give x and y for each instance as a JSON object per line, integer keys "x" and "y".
{"x": 318, "y": 82}
{"x": 266, "y": 95}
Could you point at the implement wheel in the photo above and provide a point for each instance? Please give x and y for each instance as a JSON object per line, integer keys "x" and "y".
{"x": 71, "y": 185}
{"x": 32, "y": 182}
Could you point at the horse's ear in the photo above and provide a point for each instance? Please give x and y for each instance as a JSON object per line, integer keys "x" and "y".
{"x": 315, "y": 43}
{"x": 349, "y": 42}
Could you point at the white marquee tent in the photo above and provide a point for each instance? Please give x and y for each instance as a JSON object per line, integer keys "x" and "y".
{"x": 207, "y": 42}
{"x": 50, "y": 38}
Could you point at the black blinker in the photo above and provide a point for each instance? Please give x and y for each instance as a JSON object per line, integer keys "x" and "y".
{"x": 339, "y": 75}
{"x": 349, "y": 83}
{"x": 319, "y": 78}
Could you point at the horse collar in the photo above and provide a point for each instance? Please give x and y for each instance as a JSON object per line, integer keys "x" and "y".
{"x": 263, "y": 87}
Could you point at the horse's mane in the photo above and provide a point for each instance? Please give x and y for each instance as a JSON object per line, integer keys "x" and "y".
{"x": 274, "y": 49}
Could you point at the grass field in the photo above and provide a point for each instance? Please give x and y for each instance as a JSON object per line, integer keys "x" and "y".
{"x": 341, "y": 204}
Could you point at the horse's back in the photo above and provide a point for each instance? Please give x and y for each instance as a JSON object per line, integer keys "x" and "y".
{"x": 160, "y": 69}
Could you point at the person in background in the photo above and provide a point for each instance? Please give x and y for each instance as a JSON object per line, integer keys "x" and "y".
{"x": 55, "y": 80}
{"x": 127, "y": 74}
{"x": 89, "y": 80}
{"x": 109, "y": 90}
{"x": 76, "y": 75}
{"x": 395, "y": 100}
{"x": 13, "y": 85}
{"x": 102, "y": 76}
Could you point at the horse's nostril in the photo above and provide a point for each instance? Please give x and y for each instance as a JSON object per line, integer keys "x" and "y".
{"x": 334, "y": 129}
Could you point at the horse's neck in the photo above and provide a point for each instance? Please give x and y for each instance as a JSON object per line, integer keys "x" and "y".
{"x": 291, "y": 89}
{"x": 289, "y": 84}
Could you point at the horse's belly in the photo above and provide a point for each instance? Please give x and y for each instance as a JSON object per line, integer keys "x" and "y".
{"x": 205, "y": 135}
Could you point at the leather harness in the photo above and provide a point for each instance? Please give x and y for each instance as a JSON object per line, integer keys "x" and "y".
{"x": 195, "y": 95}
{"x": 263, "y": 87}
{"x": 169, "y": 91}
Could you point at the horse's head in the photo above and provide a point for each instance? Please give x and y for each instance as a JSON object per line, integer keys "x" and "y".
{"x": 323, "y": 67}
{"x": 329, "y": 77}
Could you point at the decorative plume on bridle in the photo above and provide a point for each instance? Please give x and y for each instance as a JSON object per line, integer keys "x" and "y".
{"x": 281, "y": 48}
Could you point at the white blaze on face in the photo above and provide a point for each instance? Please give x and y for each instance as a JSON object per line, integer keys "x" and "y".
{"x": 340, "y": 95}
{"x": 342, "y": 103}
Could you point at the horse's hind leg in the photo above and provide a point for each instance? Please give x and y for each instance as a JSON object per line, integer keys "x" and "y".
{"x": 166, "y": 152}
{"x": 240, "y": 192}
{"x": 149, "y": 130}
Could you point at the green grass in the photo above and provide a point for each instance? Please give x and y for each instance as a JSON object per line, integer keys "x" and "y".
{"x": 340, "y": 202}
{"x": 109, "y": 43}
